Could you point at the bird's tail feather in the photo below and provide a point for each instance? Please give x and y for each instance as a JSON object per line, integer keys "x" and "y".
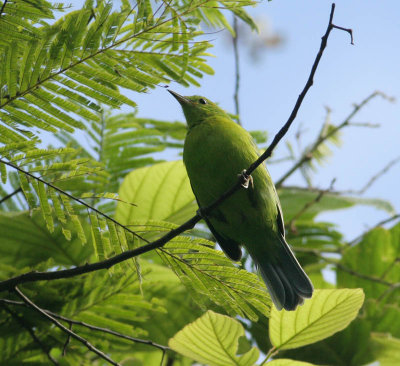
{"x": 286, "y": 281}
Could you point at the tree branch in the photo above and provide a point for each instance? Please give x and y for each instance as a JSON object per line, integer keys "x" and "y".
{"x": 92, "y": 348}
{"x": 10, "y": 195}
{"x": 40, "y": 276}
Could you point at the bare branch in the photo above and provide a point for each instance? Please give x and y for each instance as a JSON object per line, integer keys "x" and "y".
{"x": 10, "y": 195}
{"x": 308, "y": 155}
{"x": 40, "y": 276}
{"x": 374, "y": 178}
{"x": 380, "y": 223}
{"x": 92, "y": 348}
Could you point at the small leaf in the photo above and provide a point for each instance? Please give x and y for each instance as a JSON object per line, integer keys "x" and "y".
{"x": 213, "y": 339}
{"x": 326, "y": 313}
{"x": 3, "y": 173}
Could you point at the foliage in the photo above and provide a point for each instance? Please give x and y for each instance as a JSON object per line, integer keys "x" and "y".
{"x": 61, "y": 71}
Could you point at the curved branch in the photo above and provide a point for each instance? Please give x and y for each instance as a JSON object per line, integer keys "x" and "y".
{"x": 105, "y": 264}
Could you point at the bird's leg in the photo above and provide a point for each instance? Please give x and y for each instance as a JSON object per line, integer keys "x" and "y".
{"x": 246, "y": 179}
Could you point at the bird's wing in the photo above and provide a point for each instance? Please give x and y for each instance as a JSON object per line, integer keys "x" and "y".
{"x": 230, "y": 247}
{"x": 279, "y": 220}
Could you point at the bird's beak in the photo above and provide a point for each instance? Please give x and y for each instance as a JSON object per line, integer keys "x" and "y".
{"x": 181, "y": 99}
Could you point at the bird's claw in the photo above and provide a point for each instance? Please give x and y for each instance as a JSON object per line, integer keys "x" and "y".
{"x": 247, "y": 179}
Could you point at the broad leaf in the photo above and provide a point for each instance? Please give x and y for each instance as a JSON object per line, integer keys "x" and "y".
{"x": 213, "y": 339}
{"x": 326, "y": 313}
{"x": 376, "y": 256}
{"x": 161, "y": 192}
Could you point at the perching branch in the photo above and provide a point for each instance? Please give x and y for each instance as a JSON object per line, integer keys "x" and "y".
{"x": 92, "y": 348}
{"x": 204, "y": 211}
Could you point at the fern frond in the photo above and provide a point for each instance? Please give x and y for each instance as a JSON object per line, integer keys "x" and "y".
{"x": 210, "y": 275}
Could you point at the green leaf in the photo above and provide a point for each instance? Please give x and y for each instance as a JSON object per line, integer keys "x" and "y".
{"x": 213, "y": 339}
{"x": 326, "y": 313}
{"x": 287, "y": 362}
{"x": 25, "y": 241}
{"x": 375, "y": 256}
{"x": 3, "y": 173}
{"x": 161, "y": 192}
{"x": 386, "y": 349}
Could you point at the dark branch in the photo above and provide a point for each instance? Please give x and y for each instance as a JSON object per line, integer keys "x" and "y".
{"x": 10, "y": 195}
{"x": 40, "y": 276}
{"x": 92, "y": 348}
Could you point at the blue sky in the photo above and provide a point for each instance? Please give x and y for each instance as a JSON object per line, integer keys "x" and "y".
{"x": 347, "y": 74}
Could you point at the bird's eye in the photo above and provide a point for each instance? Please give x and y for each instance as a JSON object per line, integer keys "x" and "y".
{"x": 202, "y": 101}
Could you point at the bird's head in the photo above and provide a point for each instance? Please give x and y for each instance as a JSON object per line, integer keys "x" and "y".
{"x": 197, "y": 108}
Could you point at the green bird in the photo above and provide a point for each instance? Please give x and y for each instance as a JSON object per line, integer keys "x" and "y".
{"x": 216, "y": 150}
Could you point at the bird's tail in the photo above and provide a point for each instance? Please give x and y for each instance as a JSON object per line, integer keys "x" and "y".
{"x": 286, "y": 281}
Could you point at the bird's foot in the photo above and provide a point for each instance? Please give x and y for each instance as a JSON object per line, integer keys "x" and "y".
{"x": 247, "y": 179}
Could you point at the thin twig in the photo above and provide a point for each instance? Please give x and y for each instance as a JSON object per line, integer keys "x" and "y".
{"x": 309, "y": 204}
{"x": 343, "y": 268}
{"x": 272, "y": 352}
{"x": 237, "y": 69}
{"x": 105, "y": 264}
{"x": 85, "y": 342}
{"x": 374, "y": 178}
{"x": 380, "y": 223}
{"x": 308, "y": 155}
{"x": 10, "y": 195}
{"x": 67, "y": 341}
{"x": 31, "y": 332}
